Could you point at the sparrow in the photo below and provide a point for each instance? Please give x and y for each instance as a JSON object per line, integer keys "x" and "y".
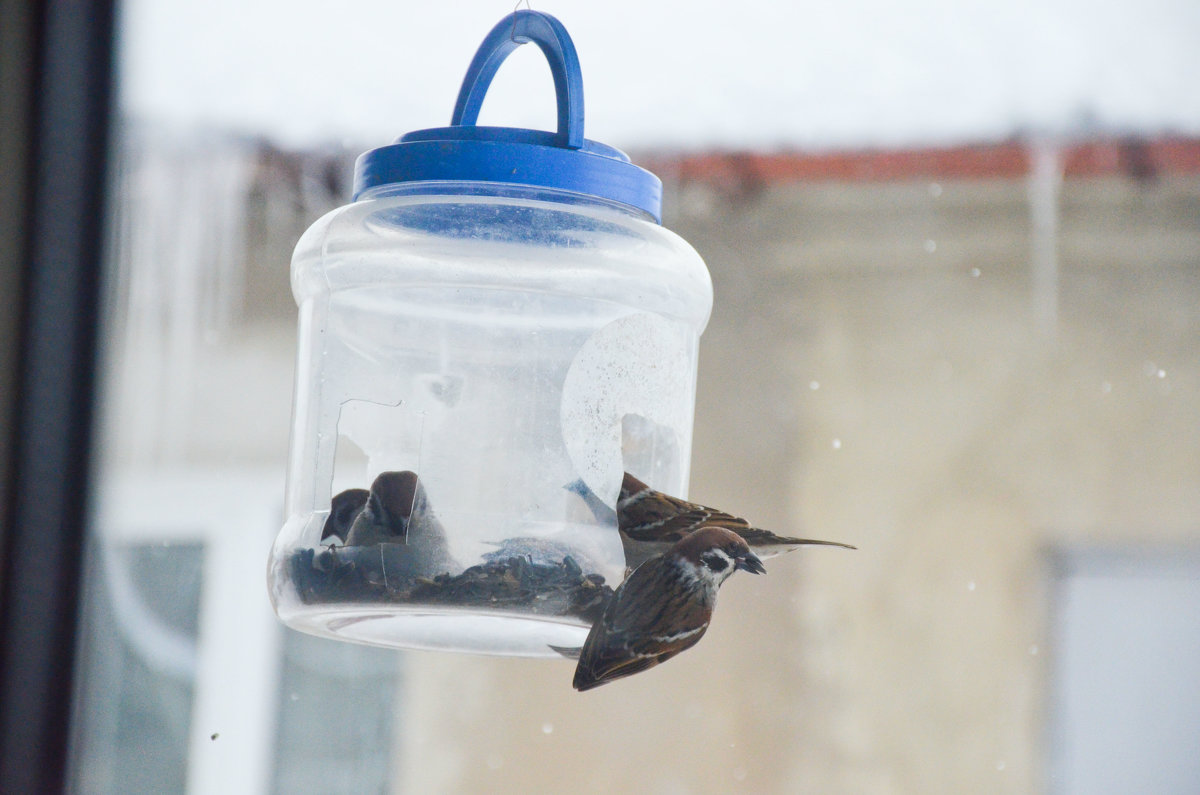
{"x": 343, "y": 509}
{"x": 397, "y": 511}
{"x": 663, "y": 607}
{"x": 650, "y": 522}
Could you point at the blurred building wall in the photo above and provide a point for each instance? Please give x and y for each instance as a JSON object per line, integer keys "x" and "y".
{"x": 895, "y": 360}
{"x": 879, "y": 370}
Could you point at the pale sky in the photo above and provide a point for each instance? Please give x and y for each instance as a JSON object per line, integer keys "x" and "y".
{"x": 674, "y": 75}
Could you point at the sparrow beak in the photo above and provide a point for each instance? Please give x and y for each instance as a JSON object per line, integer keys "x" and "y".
{"x": 750, "y": 562}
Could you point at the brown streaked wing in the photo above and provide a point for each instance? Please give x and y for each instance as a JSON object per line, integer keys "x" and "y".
{"x": 595, "y": 672}
{"x": 641, "y": 625}
{"x": 665, "y": 519}
{"x": 662, "y": 519}
{"x": 611, "y": 657}
{"x": 652, "y": 597}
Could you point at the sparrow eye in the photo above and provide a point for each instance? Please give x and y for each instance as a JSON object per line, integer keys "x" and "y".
{"x": 714, "y": 561}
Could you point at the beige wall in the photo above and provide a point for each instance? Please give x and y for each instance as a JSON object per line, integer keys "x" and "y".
{"x": 881, "y": 368}
{"x": 972, "y": 438}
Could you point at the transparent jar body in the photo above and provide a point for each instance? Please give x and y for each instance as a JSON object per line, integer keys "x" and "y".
{"x": 483, "y": 364}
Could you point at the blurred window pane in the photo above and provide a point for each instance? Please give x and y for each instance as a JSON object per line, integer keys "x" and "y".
{"x": 1127, "y": 641}
{"x": 187, "y": 680}
{"x": 971, "y": 343}
{"x": 140, "y": 666}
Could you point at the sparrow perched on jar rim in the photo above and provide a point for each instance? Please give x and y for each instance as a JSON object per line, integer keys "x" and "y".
{"x": 663, "y": 607}
{"x": 651, "y": 521}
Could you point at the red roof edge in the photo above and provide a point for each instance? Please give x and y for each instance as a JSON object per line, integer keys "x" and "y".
{"x": 1142, "y": 158}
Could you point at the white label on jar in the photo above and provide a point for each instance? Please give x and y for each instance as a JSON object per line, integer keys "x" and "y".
{"x": 634, "y": 374}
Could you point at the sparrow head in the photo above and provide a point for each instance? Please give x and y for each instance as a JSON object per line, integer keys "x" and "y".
{"x": 343, "y": 509}
{"x": 716, "y": 553}
{"x": 392, "y": 497}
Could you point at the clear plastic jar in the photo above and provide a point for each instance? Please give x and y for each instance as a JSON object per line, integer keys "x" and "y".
{"x": 479, "y": 362}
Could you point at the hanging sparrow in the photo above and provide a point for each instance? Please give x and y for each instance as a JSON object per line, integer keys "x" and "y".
{"x": 650, "y": 522}
{"x": 663, "y": 607}
{"x": 397, "y": 512}
{"x": 343, "y": 510}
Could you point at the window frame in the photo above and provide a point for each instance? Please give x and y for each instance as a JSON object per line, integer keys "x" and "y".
{"x": 56, "y": 138}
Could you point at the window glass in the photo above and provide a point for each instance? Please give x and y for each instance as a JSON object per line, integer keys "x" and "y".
{"x": 957, "y": 325}
{"x": 1127, "y": 641}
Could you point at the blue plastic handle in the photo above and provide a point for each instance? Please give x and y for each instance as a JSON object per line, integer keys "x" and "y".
{"x": 551, "y": 37}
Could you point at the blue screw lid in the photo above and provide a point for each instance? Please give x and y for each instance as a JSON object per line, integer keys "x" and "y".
{"x": 466, "y": 152}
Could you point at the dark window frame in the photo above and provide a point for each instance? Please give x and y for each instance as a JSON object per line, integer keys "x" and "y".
{"x": 58, "y": 62}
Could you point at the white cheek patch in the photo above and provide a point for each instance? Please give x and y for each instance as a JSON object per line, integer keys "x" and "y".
{"x": 692, "y": 574}
{"x": 718, "y": 577}
{"x": 721, "y": 566}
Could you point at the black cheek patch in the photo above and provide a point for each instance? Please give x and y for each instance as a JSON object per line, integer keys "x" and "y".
{"x": 715, "y": 562}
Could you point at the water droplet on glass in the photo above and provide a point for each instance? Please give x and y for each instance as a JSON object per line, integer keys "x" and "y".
{"x": 930, "y": 246}
{"x": 1105, "y": 387}
{"x": 1000, "y": 765}
{"x": 971, "y": 585}
{"x": 1162, "y": 373}
{"x": 975, "y": 272}
{"x": 814, "y": 385}
{"x": 739, "y": 774}
{"x": 1033, "y": 649}
{"x": 294, "y": 696}
{"x": 547, "y": 728}
{"x": 837, "y": 444}
{"x": 935, "y": 189}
